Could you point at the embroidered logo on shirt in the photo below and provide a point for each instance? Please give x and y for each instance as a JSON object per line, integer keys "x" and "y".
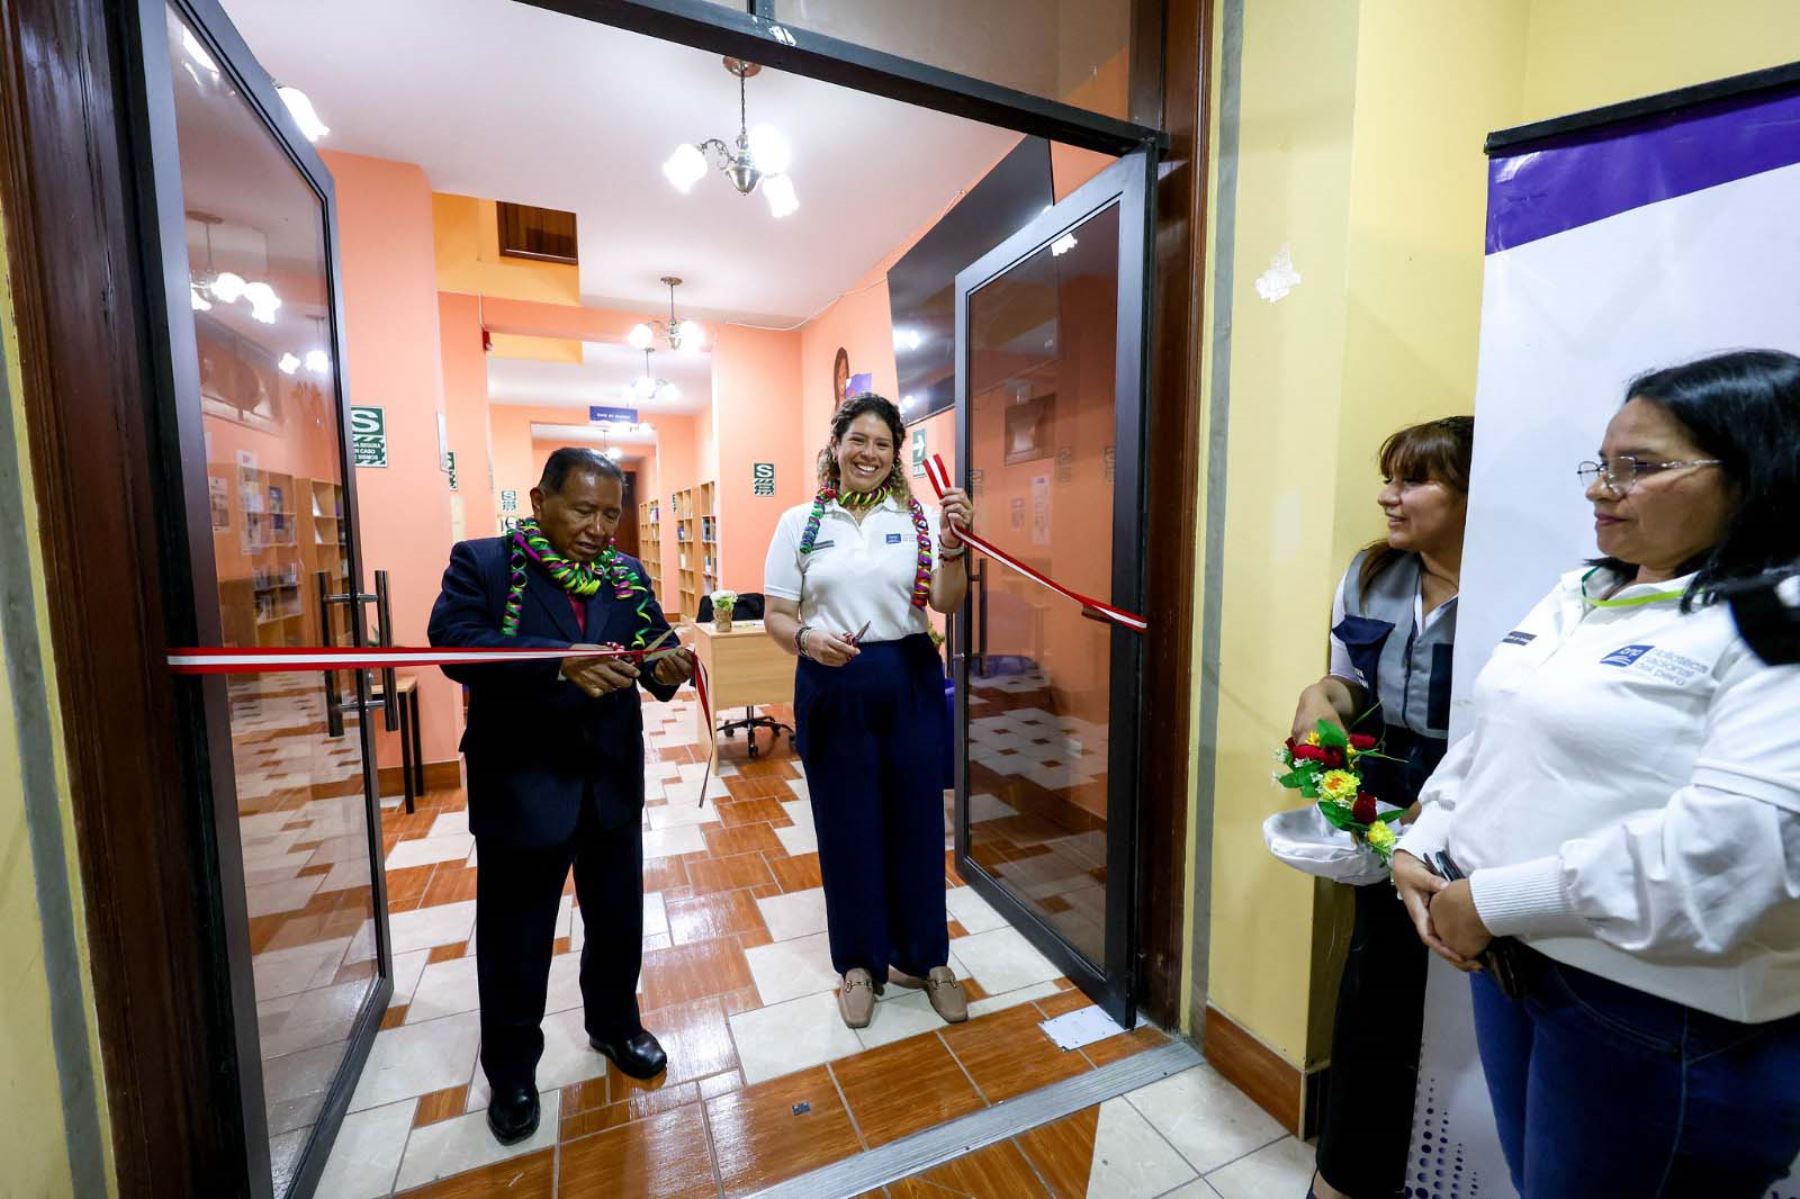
{"x": 895, "y": 538}
{"x": 1626, "y": 655}
{"x": 1518, "y": 637}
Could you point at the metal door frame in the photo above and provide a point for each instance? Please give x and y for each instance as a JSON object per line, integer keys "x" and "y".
{"x": 1128, "y": 184}
{"x": 178, "y": 438}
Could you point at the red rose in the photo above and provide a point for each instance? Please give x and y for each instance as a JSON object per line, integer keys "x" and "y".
{"x": 1309, "y": 753}
{"x": 1361, "y": 742}
{"x": 1334, "y": 757}
{"x": 1363, "y": 811}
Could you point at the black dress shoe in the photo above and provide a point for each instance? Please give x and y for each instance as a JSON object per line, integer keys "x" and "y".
{"x": 639, "y": 1056}
{"x": 513, "y": 1114}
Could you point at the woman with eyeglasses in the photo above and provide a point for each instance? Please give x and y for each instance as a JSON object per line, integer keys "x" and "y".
{"x": 1626, "y": 808}
{"x": 1393, "y": 628}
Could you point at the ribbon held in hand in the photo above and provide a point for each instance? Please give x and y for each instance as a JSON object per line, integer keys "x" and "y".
{"x": 262, "y": 660}
{"x": 1091, "y": 608}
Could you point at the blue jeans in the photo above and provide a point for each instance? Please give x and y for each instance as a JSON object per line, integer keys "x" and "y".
{"x": 1601, "y": 1089}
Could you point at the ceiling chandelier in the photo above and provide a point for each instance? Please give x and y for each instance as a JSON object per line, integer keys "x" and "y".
{"x": 649, "y": 387}
{"x": 676, "y": 332}
{"x": 761, "y": 156}
{"x": 229, "y": 286}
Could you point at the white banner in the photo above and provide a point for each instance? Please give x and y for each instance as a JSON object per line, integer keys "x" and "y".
{"x": 1620, "y": 248}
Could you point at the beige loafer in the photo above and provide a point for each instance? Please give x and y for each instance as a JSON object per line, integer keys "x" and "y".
{"x": 856, "y": 998}
{"x": 946, "y": 995}
{"x": 899, "y": 978}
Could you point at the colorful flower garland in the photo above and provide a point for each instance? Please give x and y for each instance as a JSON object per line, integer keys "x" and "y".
{"x": 921, "y": 594}
{"x": 580, "y": 579}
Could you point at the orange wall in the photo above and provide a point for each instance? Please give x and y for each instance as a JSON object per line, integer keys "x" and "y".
{"x": 466, "y": 407}
{"x": 467, "y": 239}
{"x": 391, "y": 336}
{"x": 757, "y": 403}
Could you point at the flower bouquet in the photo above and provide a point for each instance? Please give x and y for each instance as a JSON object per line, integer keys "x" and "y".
{"x": 723, "y": 602}
{"x": 1324, "y": 767}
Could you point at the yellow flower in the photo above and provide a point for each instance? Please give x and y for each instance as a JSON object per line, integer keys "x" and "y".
{"x": 1339, "y": 786}
{"x": 1381, "y": 837}
{"x": 1311, "y": 738}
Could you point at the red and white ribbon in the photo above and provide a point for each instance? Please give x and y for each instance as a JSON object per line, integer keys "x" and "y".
{"x": 1090, "y": 607}
{"x": 231, "y": 660}
{"x": 262, "y": 660}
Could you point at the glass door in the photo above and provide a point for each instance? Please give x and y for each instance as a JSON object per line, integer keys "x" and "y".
{"x": 1050, "y": 352}
{"x": 261, "y": 521}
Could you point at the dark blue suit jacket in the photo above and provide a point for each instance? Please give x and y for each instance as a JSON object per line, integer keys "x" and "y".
{"x": 536, "y": 743}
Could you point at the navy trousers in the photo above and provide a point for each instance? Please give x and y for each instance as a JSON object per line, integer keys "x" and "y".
{"x": 517, "y": 895}
{"x": 1601, "y": 1089}
{"x": 871, "y": 735}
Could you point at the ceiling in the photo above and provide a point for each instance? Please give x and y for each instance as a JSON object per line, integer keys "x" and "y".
{"x": 501, "y": 100}
{"x": 602, "y": 378}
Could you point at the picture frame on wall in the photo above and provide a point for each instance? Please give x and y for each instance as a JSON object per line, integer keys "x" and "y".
{"x": 1030, "y": 422}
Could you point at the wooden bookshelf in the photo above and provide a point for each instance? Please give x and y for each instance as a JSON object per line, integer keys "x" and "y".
{"x": 709, "y": 539}
{"x": 277, "y": 531}
{"x": 650, "y": 546}
{"x": 696, "y": 556}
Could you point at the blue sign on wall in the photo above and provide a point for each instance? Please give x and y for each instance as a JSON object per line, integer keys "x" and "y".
{"x": 613, "y": 416}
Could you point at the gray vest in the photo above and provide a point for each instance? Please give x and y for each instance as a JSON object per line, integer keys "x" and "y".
{"x": 1406, "y": 669}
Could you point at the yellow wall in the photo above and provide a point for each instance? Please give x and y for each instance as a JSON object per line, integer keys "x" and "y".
{"x": 33, "y": 1144}
{"x": 1360, "y": 130}
{"x": 1585, "y": 53}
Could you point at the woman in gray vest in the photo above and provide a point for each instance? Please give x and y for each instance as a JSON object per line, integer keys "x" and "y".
{"x": 1393, "y": 628}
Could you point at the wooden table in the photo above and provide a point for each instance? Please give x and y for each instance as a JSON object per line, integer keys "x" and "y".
{"x": 745, "y": 669}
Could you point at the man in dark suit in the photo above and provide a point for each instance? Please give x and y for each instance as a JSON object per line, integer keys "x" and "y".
{"x": 556, "y": 770}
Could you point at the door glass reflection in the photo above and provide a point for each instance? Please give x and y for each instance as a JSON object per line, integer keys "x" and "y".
{"x": 1042, "y": 346}
{"x": 259, "y": 295}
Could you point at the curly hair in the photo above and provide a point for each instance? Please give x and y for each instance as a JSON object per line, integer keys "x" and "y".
{"x": 843, "y": 418}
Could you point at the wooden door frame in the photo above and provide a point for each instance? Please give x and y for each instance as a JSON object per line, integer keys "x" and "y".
{"x": 72, "y": 243}
{"x": 80, "y": 307}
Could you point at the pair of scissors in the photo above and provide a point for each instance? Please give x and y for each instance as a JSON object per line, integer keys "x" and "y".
{"x": 653, "y": 655}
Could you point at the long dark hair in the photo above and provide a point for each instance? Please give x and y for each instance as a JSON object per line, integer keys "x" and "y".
{"x": 1742, "y": 408}
{"x": 1436, "y": 451}
{"x": 843, "y": 418}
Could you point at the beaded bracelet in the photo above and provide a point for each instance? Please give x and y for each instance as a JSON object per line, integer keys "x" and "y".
{"x": 949, "y": 555}
{"x": 800, "y": 639}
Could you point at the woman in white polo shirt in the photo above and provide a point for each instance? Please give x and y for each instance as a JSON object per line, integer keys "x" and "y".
{"x": 1626, "y": 807}
{"x": 848, "y": 579}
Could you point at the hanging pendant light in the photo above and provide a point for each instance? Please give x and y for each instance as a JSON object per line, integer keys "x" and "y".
{"x": 761, "y": 156}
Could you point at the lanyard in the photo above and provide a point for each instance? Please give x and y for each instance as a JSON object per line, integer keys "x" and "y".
{"x": 1635, "y": 601}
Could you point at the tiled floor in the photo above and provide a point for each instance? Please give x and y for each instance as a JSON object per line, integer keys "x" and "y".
{"x": 764, "y": 1082}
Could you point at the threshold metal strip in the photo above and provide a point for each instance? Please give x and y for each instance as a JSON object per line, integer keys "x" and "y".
{"x": 935, "y": 1146}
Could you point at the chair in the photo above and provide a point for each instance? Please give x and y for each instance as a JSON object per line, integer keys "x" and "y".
{"x": 749, "y": 606}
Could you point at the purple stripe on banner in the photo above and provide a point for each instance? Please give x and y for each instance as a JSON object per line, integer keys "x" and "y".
{"x": 1577, "y": 178}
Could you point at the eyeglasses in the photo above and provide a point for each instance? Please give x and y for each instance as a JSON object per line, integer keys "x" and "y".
{"x": 1619, "y": 474}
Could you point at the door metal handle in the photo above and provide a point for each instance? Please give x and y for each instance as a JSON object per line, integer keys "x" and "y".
{"x": 334, "y": 707}
{"x": 335, "y": 704}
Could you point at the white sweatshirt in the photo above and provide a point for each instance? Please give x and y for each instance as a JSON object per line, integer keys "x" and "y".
{"x": 1628, "y": 799}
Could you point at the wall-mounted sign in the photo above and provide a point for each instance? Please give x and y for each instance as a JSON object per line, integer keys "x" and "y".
{"x": 762, "y": 479}
{"x": 450, "y": 466}
{"x": 509, "y": 501}
{"x": 612, "y": 416}
{"x": 977, "y": 481}
{"x": 918, "y": 451}
{"x": 1107, "y": 457}
{"x": 368, "y": 437}
{"x": 1065, "y": 465}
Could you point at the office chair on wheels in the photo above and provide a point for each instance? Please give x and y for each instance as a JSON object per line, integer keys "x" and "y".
{"x": 749, "y": 606}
